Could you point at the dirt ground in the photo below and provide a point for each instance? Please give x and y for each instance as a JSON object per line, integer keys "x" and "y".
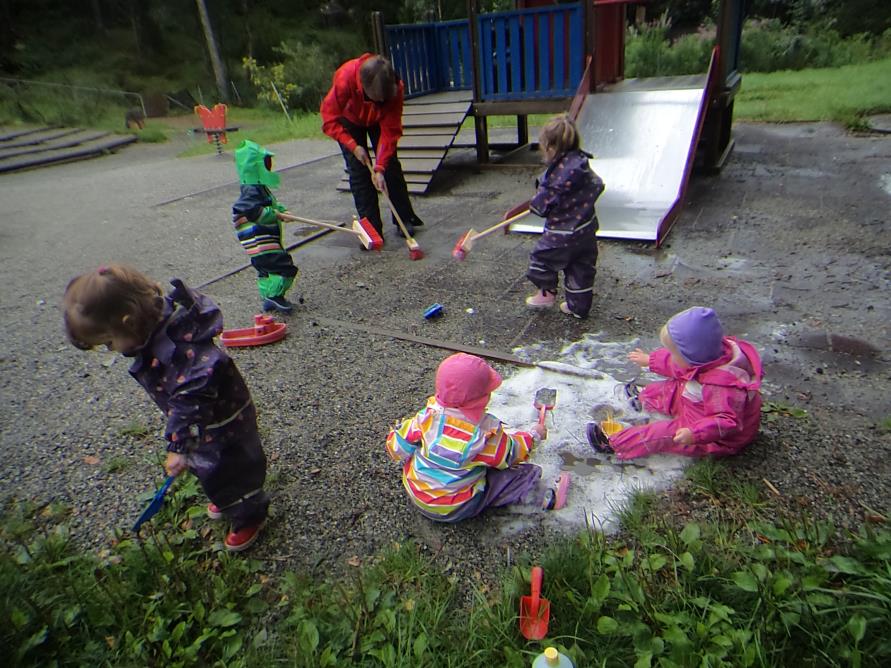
{"x": 789, "y": 243}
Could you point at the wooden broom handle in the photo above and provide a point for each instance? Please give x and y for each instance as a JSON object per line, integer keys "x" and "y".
{"x": 309, "y": 221}
{"x": 503, "y": 223}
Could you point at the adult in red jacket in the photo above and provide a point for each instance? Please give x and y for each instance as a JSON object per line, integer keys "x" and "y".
{"x": 365, "y": 103}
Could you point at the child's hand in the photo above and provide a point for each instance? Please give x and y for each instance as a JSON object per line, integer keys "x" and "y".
{"x": 176, "y": 463}
{"x": 684, "y": 436}
{"x": 539, "y": 431}
{"x": 640, "y": 357}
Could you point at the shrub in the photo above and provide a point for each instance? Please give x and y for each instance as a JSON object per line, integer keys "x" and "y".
{"x": 303, "y": 72}
{"x": 649, "y": 52}
{"x": 767, "y": 45}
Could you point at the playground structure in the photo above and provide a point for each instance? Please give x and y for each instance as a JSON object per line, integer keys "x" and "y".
{"x": 213, "y": 124}
{"x": 544, "y": 58}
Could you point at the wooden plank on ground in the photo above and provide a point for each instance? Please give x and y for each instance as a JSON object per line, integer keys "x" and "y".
{"x": 66, "y": 155}
{"x": 41, "y": 137}
{"x": 82, "y": 137}
{"x": 12, "y": 134}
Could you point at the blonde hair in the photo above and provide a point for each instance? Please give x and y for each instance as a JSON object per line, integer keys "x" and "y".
{"x": 378, "y": 78}
{"x": 114, "y": 299}
{"x": 559, "y": 134}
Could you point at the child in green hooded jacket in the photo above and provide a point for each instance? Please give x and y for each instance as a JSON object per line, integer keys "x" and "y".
{"x": 258, "y": 226}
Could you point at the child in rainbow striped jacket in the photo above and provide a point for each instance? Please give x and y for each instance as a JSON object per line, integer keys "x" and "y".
{"x": 457, "y": 459}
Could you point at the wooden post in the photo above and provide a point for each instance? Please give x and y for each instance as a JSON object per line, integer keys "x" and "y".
{"x": 379, "y": 34}
{"x": 522, "y": 130}
{"x": 479, "y": 122}
{"x": 590, "y": 46}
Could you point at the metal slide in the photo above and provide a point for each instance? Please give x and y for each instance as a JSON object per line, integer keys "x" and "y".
{"x": 643, "y": 135}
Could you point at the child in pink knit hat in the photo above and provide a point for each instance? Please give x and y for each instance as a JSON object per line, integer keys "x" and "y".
{"x": 711, "y": 393}
{"x": 457, "y": 459}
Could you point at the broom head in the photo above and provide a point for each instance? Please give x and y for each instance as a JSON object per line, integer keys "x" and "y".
{"x": 465, "y": 243}
{"x": 368, "y": 235}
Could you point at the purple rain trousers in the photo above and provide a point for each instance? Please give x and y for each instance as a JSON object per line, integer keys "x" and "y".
{"x": 575, "y": 254}
{"x": 503, "y": 487}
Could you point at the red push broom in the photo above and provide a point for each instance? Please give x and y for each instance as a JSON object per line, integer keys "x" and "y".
{"x": 414, "y": 250}
{"x": 362, "y": 228}
{"x": 465, "y": 243}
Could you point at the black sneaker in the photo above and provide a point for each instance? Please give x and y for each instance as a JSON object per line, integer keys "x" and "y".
{"x": 408, "y": 228}
{"x": 417, "y": 222}
{"x": 279, "y": 304}
{"x": 598, "y": 440}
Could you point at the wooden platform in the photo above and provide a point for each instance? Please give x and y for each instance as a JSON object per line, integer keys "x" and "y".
{"x": 430, "y": 124}
{"x": 37, "y": 147}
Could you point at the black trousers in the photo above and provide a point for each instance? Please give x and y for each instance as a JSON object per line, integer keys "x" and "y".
{"x": 364, "y": 193}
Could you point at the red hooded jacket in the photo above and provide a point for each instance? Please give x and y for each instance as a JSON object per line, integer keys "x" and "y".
{"x": 346, "y": 100}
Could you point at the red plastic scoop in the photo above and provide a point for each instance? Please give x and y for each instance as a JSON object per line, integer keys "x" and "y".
{"x": 534, "y": 610}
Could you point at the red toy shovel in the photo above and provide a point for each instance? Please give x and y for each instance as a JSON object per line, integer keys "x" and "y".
{"x": 534, "y": 610}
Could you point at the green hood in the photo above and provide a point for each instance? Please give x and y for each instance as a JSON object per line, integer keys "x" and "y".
{"x": 249, "y": 163}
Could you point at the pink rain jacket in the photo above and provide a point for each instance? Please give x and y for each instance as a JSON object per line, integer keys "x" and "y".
{"x": 719, "y": 401}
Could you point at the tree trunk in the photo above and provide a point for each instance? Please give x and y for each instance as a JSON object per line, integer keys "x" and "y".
{"x": 219, "y": 68}
{"x": 247, "y": 27}
{"x": 97, "y": 17}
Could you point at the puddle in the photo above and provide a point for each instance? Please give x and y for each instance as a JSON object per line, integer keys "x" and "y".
{"x": 600, "y": 486}
{"x": 836, "y": 343}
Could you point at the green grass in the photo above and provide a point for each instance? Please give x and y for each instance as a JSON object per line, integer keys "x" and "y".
{"x": 844, "y": 94}
{"x": 263, "y": 126}
{"x": 746, "y": 590}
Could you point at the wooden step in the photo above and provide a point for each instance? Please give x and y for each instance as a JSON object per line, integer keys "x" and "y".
{"x": 40, "y": 137}
{"x": 6, "y": 135}
{"x": 74, "y": 138}
{"x": 87, "y": 149}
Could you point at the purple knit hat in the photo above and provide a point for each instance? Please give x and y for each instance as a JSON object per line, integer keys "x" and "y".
{"x": 697, "y": 334}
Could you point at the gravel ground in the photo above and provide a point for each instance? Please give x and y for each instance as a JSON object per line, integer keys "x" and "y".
{"x": 789, "y": 243}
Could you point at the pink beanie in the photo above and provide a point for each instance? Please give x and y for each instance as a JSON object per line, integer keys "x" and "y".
{"x": 697, "y": 334}
{"x": 465, "y": 382}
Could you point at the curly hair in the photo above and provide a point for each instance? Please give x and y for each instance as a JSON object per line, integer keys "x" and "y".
{"x": 113, "y": 299}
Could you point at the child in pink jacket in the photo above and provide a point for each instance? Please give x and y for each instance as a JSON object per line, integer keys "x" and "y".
{"x": 711, "y": 393}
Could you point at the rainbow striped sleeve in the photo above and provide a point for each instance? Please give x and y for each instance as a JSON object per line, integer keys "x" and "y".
{"x": 404, "y": 439}
{"x": 503, "y": 450}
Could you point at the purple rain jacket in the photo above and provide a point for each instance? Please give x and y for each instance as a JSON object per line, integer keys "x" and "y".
{"x": 566, "y": 194}
{"x": 195, "y": 383}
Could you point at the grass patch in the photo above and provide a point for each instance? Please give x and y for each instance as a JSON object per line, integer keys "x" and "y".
{"x": 116, "y": 464}
{"x": 844, "y": 94}
{"x": 745, "y": 592}
{"x": 263, "y": 126}
{"x": 135, "y": 429}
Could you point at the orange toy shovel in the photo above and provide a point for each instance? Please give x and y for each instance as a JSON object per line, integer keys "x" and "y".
{"x": 534, "y": 610}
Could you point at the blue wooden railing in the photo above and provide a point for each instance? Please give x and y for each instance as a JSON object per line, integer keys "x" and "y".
{"x": 431, "y": 56}
{"x": 530, "y": 53}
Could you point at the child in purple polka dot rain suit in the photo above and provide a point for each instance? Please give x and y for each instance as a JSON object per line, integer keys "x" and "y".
{"x": 566, "y": 195}
{"x": 211, "y": 420}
